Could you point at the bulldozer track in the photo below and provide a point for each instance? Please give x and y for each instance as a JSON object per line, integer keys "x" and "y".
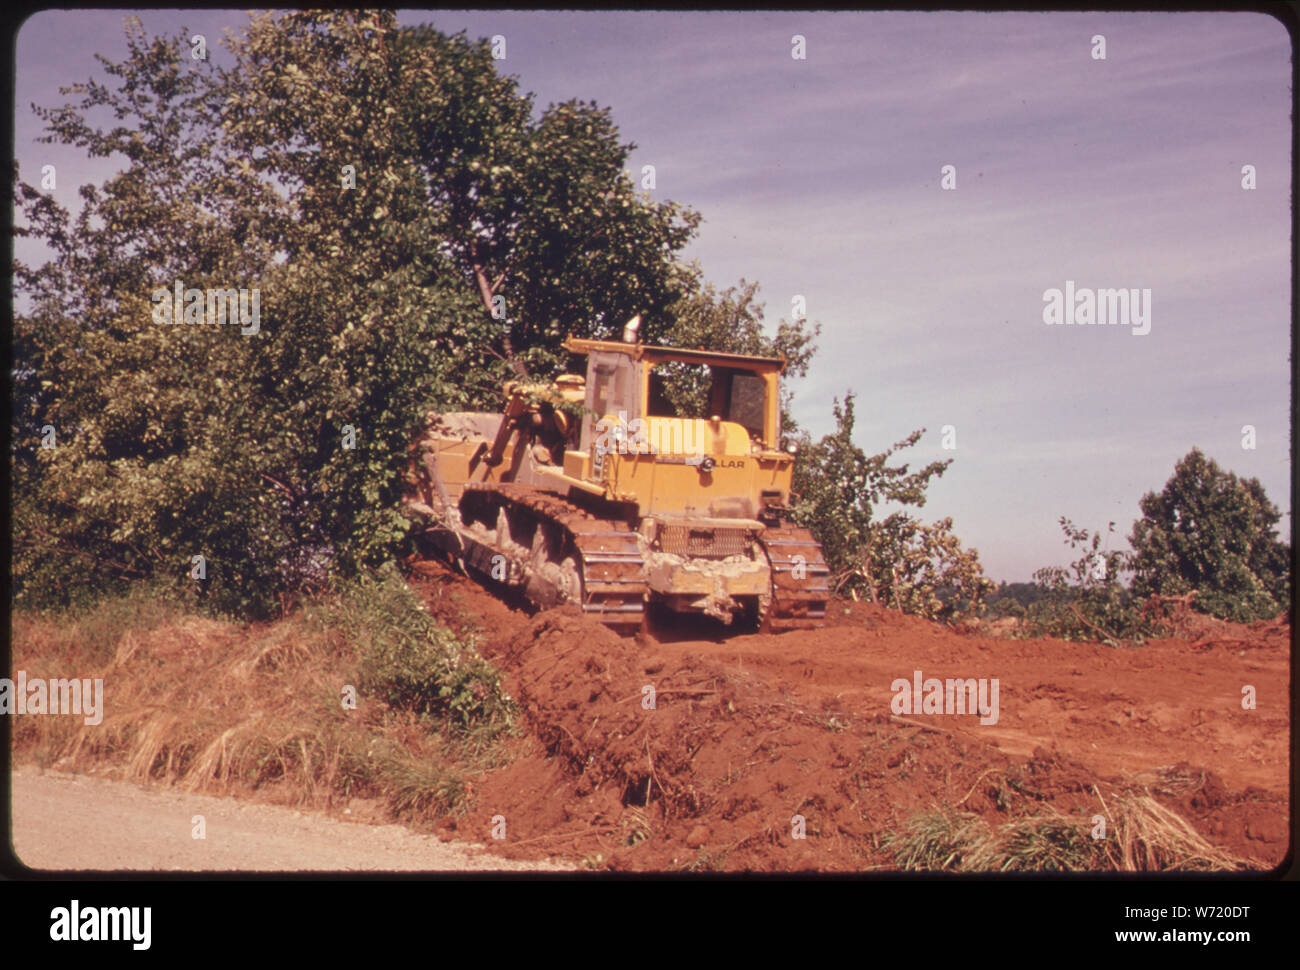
{"x": 611, "y": 563}
{"x": 800, "y": 584}
{"x": 608, "y": 553}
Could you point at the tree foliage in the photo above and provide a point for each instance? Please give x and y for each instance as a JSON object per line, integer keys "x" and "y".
{"x": 1089, "y": 600}
{"x": 898, "y": 560}
{"x": 454, "y": 176}
{"x": 151, "y": 463}
{"x": 1211, "y": 532}
{"x": 1206, "y": 533}
{"x": 732, "y": 321}
{"x": 367, "y": 180}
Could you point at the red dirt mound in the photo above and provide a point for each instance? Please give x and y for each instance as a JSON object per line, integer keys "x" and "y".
{"x": 748, "y": 734}
{"x": 713, "y": 775}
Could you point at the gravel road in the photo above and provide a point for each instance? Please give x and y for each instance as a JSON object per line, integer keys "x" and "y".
{"x": 64, "y": 822}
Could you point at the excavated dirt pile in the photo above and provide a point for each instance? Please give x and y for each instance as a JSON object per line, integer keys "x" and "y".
{"x": 719, "y": 755}
{"x": 713, "y": 774}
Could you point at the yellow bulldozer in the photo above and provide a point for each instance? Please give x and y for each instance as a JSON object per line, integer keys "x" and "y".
{"x": 595, "y": 490}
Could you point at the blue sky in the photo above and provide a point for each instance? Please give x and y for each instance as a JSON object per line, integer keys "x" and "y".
{"x": 820, "y": 178}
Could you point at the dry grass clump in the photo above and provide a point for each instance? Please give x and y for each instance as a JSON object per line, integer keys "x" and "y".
{"x": 1141, "y": 836}
{"x": 216, "y": 707}
{"x": 1151, "y": 837}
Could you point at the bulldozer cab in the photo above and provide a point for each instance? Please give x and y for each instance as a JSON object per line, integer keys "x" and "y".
{"x": 631, "y": 382}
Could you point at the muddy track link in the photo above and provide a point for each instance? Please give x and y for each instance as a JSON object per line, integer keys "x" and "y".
{"x": 800, "y": 579}
{"x": 608, "y": 553}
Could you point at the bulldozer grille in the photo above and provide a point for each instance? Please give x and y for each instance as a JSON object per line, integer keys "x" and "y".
{"x": 682, "y": 540}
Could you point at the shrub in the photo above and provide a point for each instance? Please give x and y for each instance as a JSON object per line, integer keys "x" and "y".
{"x": 897, "y": 560}
{"x": 413, "y": 663}
{"x": 1088, "y": 601}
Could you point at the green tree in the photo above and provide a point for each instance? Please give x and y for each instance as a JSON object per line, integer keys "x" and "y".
{"x": 897, "y": 560}
{"x": 367, "y": 180}
{"x": 538, "y": 218}
{"x": 1210, "y": 532}
{"x": 732, "y": 321}
{"x": 147, "y": 468}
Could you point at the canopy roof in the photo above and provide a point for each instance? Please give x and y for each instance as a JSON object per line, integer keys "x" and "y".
{"x": 680, "y": 355}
